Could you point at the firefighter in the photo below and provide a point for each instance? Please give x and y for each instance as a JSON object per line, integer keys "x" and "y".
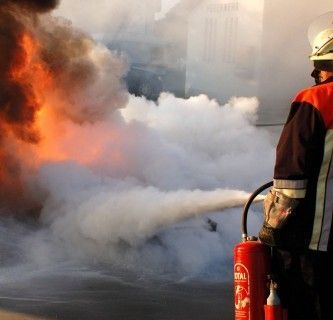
{"x": 299, "y": 207}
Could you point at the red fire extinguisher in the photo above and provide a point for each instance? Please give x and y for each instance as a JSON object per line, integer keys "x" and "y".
{"x": 251, "y": 274}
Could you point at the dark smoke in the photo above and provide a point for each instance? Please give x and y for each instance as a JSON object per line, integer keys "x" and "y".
{"x": 88, "y": 77}
{"x": 37, "y": 6}
{"x": 36, "y": 47}
{"x": 17, "y": 101}
{"x": 17, "y": 105}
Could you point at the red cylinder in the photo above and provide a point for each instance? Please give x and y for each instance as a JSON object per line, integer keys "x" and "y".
{"x": 251, "y": 270}
{"x": 273, "y": 312}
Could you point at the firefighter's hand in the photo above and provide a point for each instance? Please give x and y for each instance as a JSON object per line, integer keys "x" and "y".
{"x": 277, "y": 208}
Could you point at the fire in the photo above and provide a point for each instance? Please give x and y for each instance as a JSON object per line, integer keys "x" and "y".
{"x": 23, "y": 57}
{"x": 62, "y": 140}
{"x": 26, "y": 82}
{"x": 25, "y": 118}
{"x": 23, "y": 87}
{"x": 56, "y": 137}
{"x": 57, "y": 89}
{"x": 32, "y": 78}
{"x": 31, "y": 71}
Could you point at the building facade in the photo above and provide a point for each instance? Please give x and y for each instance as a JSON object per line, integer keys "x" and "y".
{"x": 224, "y": 46}
{"x": 285, "y": 65}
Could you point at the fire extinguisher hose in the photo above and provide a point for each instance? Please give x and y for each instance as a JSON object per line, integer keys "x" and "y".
{"x": 248, "y": 204}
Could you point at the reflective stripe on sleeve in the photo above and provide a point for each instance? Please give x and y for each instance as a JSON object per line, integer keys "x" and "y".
{"x": 292, "y": 193}
{"x": 289, "y": 184}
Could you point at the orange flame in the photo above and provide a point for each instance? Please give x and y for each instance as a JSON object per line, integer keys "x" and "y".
{"x": 54, "y": 137}
{"x": 29, "y": 70}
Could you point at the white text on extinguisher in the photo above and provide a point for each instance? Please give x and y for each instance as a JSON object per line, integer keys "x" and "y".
{"x": 240, "y": 276}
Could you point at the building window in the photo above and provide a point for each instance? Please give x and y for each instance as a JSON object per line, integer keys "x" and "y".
{"x": 209, "y": 50}
{"x": 220, "y": 32}
{"x": 229, "y": 38}
{"x": 224, "y": 7}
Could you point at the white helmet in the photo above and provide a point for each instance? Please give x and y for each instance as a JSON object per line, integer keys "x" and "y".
{"x": 320, "y": 35}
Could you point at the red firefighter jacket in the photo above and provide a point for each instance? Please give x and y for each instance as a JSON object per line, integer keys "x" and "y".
{"x": 304, "y": 168}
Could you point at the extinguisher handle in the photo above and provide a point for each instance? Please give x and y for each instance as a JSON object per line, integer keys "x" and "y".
{"x": 248, "y": 204}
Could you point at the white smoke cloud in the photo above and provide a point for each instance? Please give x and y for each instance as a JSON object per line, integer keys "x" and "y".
{"x": 159, "y": 168}
{"x": 158, "y": 172}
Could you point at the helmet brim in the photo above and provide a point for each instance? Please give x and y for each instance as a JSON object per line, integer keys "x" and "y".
{"x": 322, "y": 57}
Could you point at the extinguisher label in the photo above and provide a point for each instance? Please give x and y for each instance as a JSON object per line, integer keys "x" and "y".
{"x": 242, "y": 291}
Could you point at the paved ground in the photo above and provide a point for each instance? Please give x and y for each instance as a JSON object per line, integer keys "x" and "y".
{"x": 71, "y": 297}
